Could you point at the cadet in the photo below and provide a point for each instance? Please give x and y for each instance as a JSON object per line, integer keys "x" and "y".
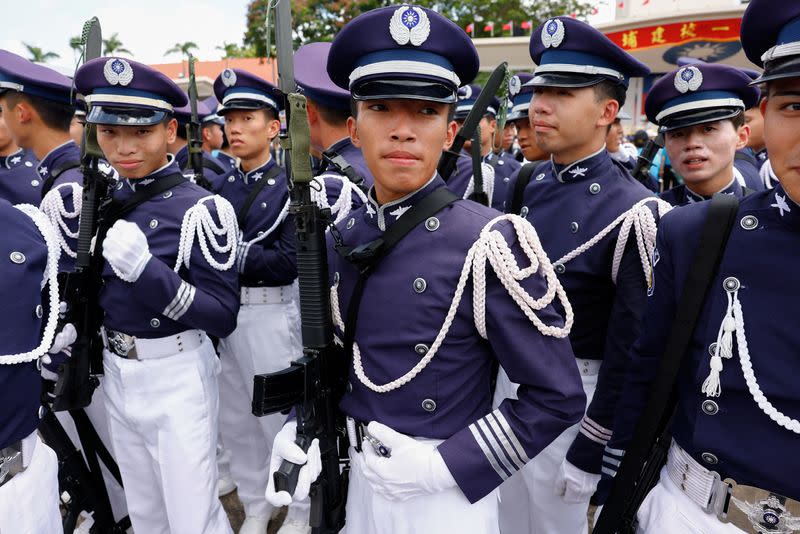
{"x": 584, "y": 205}
{"x": 214, "y": 171}
{"x": 735, "y": 428}
{"x": 267, "y": 336}
{"x": 217, "y": 143}
{"x": 700, "y": 109}
{"x": 616, "y": 148}
{"x": 37, "y": 111}
{"x": 29, "y": 495}
{"x": 17, "y": 171}
{"x": 167, "y": 280}
{"x": 504, "y": 140}
{"x": 344, "y": 174}
{"x": 422, "y": 389}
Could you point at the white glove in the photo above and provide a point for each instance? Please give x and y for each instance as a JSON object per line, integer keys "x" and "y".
{"x": 413, "y": 469}
{"x": 64, "y": 339}
{"x": 125, "y": 249}
{"x": 574, "y": 485}
{"x": 284, "y": 448}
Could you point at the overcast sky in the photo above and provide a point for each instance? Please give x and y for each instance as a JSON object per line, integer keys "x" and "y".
{"x": 146, "y": 27}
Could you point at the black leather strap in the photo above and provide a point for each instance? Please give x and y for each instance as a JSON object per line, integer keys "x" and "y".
{"x": 273, "y": 171}
{"x": 55, "y": 173}
{"x": 523, "y": 179}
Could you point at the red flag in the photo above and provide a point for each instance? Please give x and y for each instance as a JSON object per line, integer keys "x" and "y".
{"x": 621, "y": 5}
{"x": 471, "y": 28}
{"x": 489, "y": 27}
{"x": 508, "y": 26}
{"x": 526, "y": 24}
{"x": 645, "y": 2}
{"x": 573, "y": 15}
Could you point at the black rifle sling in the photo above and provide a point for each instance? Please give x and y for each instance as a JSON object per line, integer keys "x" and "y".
{"x": 523, "y": 179}
{"x": 660, "y": 406}
{"x": 366, "y": 257}
{"x": 273, "y": 171}
{"x": 117, "y": 210}
{"x": 341, "y": 165}
{"x": 55, "y": 173}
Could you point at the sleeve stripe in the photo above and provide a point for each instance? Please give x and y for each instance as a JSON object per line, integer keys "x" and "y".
{"x": 616, "y": 452}
{"x": 599, "y": 430}
{"x": 608, "y": 471}
{"x": 488, "y": 453}
{"x": 514, "y": 453}
{"x": 495, "y": 446}
{"x": 592, "y": 437}
{"x": 501, "y": 419}
{"x": 180, "y": 313}
{"x": 242, "y": 259}
{"x": 611, "y": 461}
{"x": 179, "y": 295}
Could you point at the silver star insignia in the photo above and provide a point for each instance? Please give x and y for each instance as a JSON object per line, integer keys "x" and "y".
{"x": 781, "y": 204}
{"x": 370, "y": 210}
{"x": 15, "y": 160}
{"x": 43, "y": 170}
{"x": 399, "y": 211}
{"x": 257, "y": 176}
{"x": 578, "y": 171}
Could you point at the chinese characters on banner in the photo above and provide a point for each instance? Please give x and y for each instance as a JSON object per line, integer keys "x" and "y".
{"x": 677, "y": 33}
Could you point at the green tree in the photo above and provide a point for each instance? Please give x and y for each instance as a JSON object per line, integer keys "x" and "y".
{"x": 113, "y": 46}
{"x": 37, "y": 55}
{"x": 320, "y": 20}
{"x": 231, "y": 50}
{"x": 184, "y": 49}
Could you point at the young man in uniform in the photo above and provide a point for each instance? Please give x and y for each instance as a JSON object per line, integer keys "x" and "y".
{"x": 732, "y": 465}
{"x": 19, "y": 182}
{"x": 267, "y": 336}
{"x": 700, "y": 109}
{"x": 578, "y": 202}
{"x": 423, "y": 389}
{"x": 168, "y": 278}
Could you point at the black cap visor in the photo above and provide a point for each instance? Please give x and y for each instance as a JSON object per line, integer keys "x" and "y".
{"x": 566, "y": 79}
{"x": 405, "y": 90}
{"x": 695, "y": 117}
{"x": 125, "y": 116}
{"x": 243, "y": 104}
{"x": 779, "y": 69}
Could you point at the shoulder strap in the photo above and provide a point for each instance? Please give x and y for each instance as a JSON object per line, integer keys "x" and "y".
{"x": 117, "y": 210}
{"x": 523, "y": 179}
{"x": 209, "y": 164}
{"x": 343, "y": 166}
{"x": 658, "y": 411}
{"x": 745, "y": 156}
{"x": 366, "y": 257}
{"x": 273, "y": 171}
{"x": 55, "y": 173}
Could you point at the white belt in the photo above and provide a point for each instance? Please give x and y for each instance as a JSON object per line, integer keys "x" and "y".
{"x": 703, "y": 487}
{"x": 267, "y": 295}
{"x": 133, "y": 348}
{"x": 588, "y": 367}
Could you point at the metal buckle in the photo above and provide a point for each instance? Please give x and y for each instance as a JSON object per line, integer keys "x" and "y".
{"x": 122, "y": 344}
{"x": 757, "y": 510}
{"x": 720, "y": 497}
{"x": 10, "y": 463}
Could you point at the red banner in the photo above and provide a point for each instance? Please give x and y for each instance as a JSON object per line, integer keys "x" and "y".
{"x": 677, "y": 33}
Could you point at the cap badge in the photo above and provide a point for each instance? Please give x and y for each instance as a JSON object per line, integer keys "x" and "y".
{"x": 228, "y": 77}
{"x": 465, "y": 93}
{"x": 410, "y": 24}
{"x": 118, "y": 72}
{"x": 514, "y": 86}
{"x": 688, "y": 79}
{"x": 553, "y": 33}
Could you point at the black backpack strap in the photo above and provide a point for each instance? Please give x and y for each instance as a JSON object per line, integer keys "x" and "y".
{"x": 523, "y": 179}
{"x": 273, "y": 171}
{"x": 58, "y": 171}
{"x": 367, "y": 256}
{"x": 652, "y": 435}
{"x": 333, "y": 158}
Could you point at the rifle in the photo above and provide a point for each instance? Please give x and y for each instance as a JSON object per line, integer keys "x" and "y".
{"x": 641, "y": 172}
{"x": 194, "y": 136}
{"x": 77, "y": 377}
{"x": 447, "y": 163}
{"x": 314, "y": 383}
{"x": 478, "y": 193}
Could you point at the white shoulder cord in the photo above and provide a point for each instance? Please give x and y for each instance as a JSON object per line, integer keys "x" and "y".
{"x": 488, "y": 182}
{"x": 767, "y": 176}
{"x": 491, "y": 246}
{"x": 733, "y": 322}
{"x": 53, "y": 206}
{"x": 641, "y": 219}
{"x": 50, "y": 276}
{"x": 341, "y": 208}
{"x": 198, "y": 221}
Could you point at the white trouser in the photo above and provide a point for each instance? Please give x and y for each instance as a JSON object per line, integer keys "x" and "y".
{"x": 528, "y": 501}
{"x": 444, "y": 512}
{"x": 162, "y": 416}
{"x": 266, "y": 339}
{"x": 96, "y": 412}
{"x": 29, "y": 501}
{"x": 667, "y": 510}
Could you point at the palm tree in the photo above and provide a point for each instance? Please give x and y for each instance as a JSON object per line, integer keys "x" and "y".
{"x": 184, "y": 49}
{"x": 37, "y": 55}
{"x": 113, "y": 46}
{"x": 76, "y": 44}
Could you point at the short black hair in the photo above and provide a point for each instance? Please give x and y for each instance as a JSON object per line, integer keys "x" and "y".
{"x": 610, "y": 90}
{"x": 54, "y": 115}
{"x": 738, "y": 120}
{"x": 331, "y": 115}
{"x": 451, "y": 111}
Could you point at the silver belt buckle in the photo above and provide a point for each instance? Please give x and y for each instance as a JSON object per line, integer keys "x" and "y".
{"x": 122, "y": 344}
{"x": 10, "y": 462}
{"x": 720, "y": 496}
{"x": 760, "y": 511}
